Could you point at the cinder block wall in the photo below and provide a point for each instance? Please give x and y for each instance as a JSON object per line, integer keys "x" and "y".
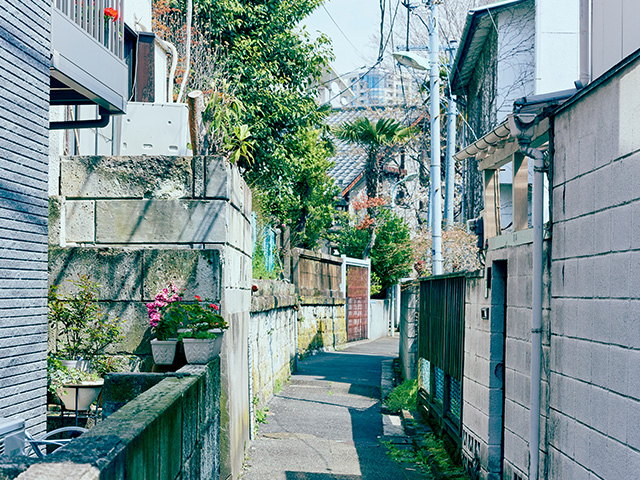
{"x": 497, "y": 365}
{"x": 595, "y": 327}
{"x": 136, "y": 223}
{"x": 24, "y": 110}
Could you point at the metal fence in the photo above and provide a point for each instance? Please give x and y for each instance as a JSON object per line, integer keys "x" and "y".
{"x": 441, "y": 349}
{"x": 91, "y": 16}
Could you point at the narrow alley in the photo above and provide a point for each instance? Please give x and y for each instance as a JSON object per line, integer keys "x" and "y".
{"x": 327, "y": 423}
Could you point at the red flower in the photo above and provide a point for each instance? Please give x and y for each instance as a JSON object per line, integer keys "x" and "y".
{"x": 214, "y": 306}
{"x": 198, "y": 298}
{"x": 111, "y": 13}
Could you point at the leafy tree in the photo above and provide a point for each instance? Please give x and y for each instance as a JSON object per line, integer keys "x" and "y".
{"x": 373, "y": 137}
{"x": 391, "y": 255}
{"x": 272, "y": 63}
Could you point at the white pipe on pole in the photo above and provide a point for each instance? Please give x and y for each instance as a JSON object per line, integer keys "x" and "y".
{"x": 452, "y": 113}
{"x": 187, "y": 62}
{"x": 536, "y": 307}
{"x": 436, "y": 182}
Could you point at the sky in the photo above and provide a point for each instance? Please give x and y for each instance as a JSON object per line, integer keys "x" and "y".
{"x": 360, "y": 22}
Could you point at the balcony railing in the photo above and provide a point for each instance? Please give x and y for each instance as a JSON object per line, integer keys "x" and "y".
{"x": 87, "y": 54}
{"x": 90, "y": 16}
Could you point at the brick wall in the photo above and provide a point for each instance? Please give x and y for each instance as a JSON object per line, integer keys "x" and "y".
{"x": 595, "y": 327}
{"x": 24, "y": 115}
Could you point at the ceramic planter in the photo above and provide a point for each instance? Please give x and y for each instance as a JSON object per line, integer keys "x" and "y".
{"x": 200, "y": 351}
{"x": 84, "y": 365}
{"x": 164, "y": 351}
{"x": 87, "y": 393}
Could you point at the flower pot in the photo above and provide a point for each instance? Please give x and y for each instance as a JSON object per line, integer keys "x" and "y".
{"x": 84, "y": 365}
{"x": 164, "y": 351}
{"x": 87, "y": 393}
{"x": 202, "y": 350}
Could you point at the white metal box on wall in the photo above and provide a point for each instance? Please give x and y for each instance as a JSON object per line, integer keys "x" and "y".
{"x": 155, "y": 129}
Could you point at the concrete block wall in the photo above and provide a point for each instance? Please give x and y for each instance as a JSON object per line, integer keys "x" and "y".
{"x": 380, "y": 317}
{"x": 497, "y": 366}
{"x": 409, "y": 321}
{"x": 169, "y": 431}
{"x": 138, "y": 223}
{"x": 595, "y": 326}
{"x": 24, "y": 138}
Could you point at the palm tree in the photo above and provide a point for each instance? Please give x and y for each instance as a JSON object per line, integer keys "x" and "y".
{"x": 373, "y": 137}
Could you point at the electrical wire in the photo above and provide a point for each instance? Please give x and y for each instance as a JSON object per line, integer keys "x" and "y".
{"x": 384, "y": 47}
{"x": 342, "y": 32}
{"x": 337, "y": 77}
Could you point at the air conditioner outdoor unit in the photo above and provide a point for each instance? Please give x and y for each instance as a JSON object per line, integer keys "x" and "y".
{"x": 12, "y": 436}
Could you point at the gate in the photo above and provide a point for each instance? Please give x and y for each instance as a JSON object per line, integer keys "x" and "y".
{"x": 441, "y": 349}
{"x": 355, "y": 283}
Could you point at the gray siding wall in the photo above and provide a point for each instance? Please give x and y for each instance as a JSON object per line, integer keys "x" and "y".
{"x": 24, "y": 115}
{"x": 595, "y": 325}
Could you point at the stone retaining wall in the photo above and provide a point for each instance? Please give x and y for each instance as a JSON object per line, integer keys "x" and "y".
{"x": 272, "y": 338}
{"x": 170, "y": 431}
{"x": 135, "y": 224}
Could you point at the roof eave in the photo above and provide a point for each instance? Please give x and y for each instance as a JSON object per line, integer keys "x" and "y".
{"x": 473, "y": 19}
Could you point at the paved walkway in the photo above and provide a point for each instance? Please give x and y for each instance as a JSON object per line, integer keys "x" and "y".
{"x": 327, "y": 423}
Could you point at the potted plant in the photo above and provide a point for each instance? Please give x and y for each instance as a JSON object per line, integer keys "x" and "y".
{"x": 164, "y": 325}
{"x": 203, "y": 328}
{"x": 73, "y": 386}
{"x": 81, "y": 332}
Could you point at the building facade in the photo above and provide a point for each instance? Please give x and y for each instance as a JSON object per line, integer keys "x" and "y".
{"x": 25, "y": 32}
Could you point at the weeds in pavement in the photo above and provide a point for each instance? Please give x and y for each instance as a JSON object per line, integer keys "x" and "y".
{"x": 403, "y": 397}
{"x": 261, "y": 415}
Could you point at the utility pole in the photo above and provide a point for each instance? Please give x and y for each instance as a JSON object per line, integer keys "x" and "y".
{"x": 436, "y": 177}
{"x": 452, "y": 114}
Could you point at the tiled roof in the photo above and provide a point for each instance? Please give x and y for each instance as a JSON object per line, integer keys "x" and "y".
{"x": 349, "y": 158}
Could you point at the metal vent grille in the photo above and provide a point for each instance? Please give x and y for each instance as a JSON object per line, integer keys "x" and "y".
{"x": 425, "y": 375}
{"x": 454, "y": 399}
{"x": 438, "y": 377}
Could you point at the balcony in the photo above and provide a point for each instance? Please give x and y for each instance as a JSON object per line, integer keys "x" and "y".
{"x": 87, "y": 55}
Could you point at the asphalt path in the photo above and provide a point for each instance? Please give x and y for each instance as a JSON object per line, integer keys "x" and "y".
{"x": 326, "y": 423}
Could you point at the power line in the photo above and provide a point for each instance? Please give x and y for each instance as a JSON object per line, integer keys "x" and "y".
{"x": 342, "y": 32}
{"x": 339, "y": 76}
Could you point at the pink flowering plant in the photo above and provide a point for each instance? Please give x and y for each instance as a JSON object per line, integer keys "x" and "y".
{"x": 164, "y": 323}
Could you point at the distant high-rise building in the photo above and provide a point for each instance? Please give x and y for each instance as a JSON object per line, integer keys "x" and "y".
{"x": 380, "y": 86}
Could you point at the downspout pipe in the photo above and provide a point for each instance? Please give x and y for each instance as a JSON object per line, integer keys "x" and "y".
{"x": 101, "y": 122}
{"x": 524, "y": 142}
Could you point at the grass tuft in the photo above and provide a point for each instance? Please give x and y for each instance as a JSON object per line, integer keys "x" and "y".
{"x": 403, "y": 397}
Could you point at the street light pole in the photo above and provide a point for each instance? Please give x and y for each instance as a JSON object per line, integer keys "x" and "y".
{"x": 436, "y": 176}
